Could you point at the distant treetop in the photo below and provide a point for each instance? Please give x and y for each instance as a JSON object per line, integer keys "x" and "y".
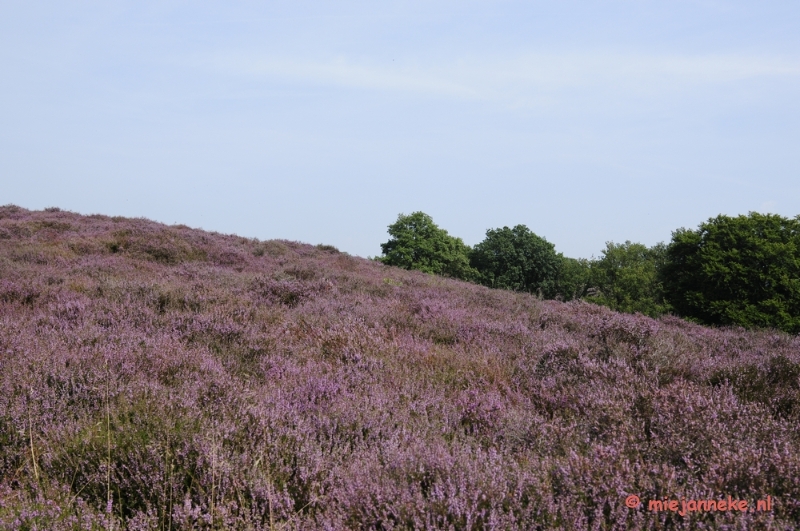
{"x": 517, "y": 259}
{"x": 418, "y": 243}
{"x": 742, "y": 270}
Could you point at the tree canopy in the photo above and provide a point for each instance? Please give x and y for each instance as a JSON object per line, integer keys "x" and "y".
{"x": 572, "y": 279}
{"x": 418, "y": 243}
{"x": 626, "y": 278}
{"x": 742, "y": 270}
{"x": 517, "y": 259}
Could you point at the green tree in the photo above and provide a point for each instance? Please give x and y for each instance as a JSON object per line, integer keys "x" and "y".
{"x": 626, "y": 278}
{"x": 572, "y": 279}
{"x": 517, "y": 259}
{"x": 742, "y": 270}
{"x": 418, "y": 243}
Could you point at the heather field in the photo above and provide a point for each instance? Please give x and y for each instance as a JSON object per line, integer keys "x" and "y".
{"x": 161, "y": 377}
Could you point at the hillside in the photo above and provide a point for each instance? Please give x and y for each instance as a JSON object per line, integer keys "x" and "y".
{"x": 162, "y": 377}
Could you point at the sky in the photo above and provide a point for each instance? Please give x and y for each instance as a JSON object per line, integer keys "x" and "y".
{"x": 320, "y": 122}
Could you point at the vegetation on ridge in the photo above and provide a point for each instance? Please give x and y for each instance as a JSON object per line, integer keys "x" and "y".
{"x": 741, "y": 271}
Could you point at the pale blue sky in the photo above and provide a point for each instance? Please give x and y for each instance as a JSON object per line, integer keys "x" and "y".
{"x": 321, "y": 121}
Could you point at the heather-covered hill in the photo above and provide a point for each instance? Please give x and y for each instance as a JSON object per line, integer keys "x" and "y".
{"x": 161, "y": 377}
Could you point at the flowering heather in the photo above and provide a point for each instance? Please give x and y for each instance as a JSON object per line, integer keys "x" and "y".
{"x": 160, "y": 377}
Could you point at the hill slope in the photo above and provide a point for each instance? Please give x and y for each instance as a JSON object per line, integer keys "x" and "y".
{"x": 198, "y": 380}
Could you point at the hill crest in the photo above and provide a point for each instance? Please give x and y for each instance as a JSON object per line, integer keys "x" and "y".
{"x": 239, "y": 383}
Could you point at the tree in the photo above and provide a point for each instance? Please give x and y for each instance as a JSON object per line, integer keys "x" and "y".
{"x": 418, "y": 243}
{"x": 516, "y": 259}
{"x": 742, "y": 270}
{"x": 626, "y": 278}
{"x": 572, "y": 279}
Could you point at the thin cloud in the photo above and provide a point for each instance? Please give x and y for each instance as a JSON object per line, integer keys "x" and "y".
{"x": 528, "y": 80}
{"x": 343, "y": 73}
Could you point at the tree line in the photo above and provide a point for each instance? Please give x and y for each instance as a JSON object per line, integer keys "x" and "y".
{"x": 742, "y": 270}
